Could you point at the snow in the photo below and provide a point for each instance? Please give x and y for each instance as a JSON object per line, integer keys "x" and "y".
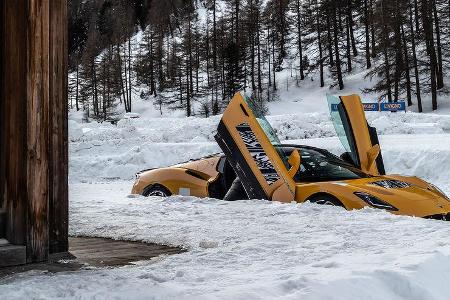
{"x": 250, "y": 249}
{"x": 131, "y": 115}
{"x": 106, "y": 151}
{"x": 307, "y": 96}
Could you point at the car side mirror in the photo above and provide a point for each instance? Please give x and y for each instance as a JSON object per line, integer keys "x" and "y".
{"x": 294, "y": 160}
{"x": 372, "y": 155}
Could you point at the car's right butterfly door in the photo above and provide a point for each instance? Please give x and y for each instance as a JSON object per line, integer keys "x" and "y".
{"x": 357, "y": 137}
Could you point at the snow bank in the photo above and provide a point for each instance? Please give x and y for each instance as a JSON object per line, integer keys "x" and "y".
{"x": 111, "y": 160}
{"x": 288, "y": 126}
{"x": 102, "y": 151}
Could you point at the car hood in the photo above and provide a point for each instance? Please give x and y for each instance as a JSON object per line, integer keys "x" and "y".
{"x": 408, "y": 194}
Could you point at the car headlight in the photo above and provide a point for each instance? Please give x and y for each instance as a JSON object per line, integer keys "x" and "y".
{"x": 374, "y": 201}
{"x": 439, "y": 190}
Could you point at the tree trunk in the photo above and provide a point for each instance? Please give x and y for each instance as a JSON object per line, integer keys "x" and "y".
{"x": 129, "y": 74}
{"x": 372, "y": 30}
{"x": 350, "y": 25}
{"x": 429, "y": 41}
{"x": 407, "y": 68}
{"x": 152, "y": 64}
{"x": 330, "y": 40}
{"x": 214, "y": 38}
{"x": 273, "y": 61}
{"x": 188, "y": 95}
{"x": 366, "y": 27}
{"x": 416, "y": 69}
{"x": 95, "y": 91}
{"x": 300, "y": 48}
{"x": 336, "y": 50}
{"x": 77, "y": 94}
{"x": 399, "y": 66}
{"x": 319, "y": 41}
{"x": 348, "y": 52}
{"x": 386, "y": 57}
{"x": 258, "y": 41}
{"x": 268, "y": 49}
{"x": 252, "y": 46}
{"x": 416, "y": 17}
{"x": 439, "y": 69}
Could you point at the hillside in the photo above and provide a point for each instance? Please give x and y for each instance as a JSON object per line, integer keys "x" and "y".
{"x": 191, "y": 61}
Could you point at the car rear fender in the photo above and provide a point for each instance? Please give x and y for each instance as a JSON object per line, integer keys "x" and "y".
{"x": 178, "y": 181}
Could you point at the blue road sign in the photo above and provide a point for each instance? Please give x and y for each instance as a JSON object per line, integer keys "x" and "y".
{"x": 371, "y": 106}
{"x": 385, "y": 106}
{"x": 393, "y": 106}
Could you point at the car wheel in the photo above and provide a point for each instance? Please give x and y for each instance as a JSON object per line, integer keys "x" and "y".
{"x": 325, "y": 199}
{"x": 157, "y": 190}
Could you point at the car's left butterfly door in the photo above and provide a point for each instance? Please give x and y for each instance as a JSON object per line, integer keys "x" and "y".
{"x": 251, "y": 148}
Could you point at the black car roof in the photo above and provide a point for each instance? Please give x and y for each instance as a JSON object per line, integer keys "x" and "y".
{"x": 283, "y": 146}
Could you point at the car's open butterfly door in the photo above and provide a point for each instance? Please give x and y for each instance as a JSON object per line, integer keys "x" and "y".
{"x": 251, "y": 147}
{"x": 357, "y": 137}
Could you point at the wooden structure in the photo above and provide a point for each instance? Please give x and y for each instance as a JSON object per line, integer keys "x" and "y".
{"x": 96, "y": 252}
{"x": 100, "y": 252}
{"x": 33, "y": 130}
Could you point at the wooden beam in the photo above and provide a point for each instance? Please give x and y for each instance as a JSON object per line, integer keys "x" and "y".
{"x": 59, "y": 190}
{"x": 12, "y": 255}
{"x": 2, "y": 224}
{"x": 38, "y": 138}
{"x": 2, "y": 101}
{"x": 15, "y": 119}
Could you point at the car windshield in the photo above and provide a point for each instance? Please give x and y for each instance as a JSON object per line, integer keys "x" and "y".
{"x": 322, "y": 166}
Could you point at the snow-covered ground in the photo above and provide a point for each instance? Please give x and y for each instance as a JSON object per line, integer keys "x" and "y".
{"x": 248, "y": 249}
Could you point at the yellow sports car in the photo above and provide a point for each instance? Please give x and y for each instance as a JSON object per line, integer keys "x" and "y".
{"x": 255, "y": 165}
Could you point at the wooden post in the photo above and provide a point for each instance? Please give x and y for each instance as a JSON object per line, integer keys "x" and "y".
{"x": 38, "y": 138}
{"x": 2, "y": 101}
{"x": 59, "y": 190}
{"x": 15, "y": 119}
{"x": 34, "y": 125}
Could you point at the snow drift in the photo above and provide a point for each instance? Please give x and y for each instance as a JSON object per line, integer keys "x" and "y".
{"x": 105, "y": 151}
